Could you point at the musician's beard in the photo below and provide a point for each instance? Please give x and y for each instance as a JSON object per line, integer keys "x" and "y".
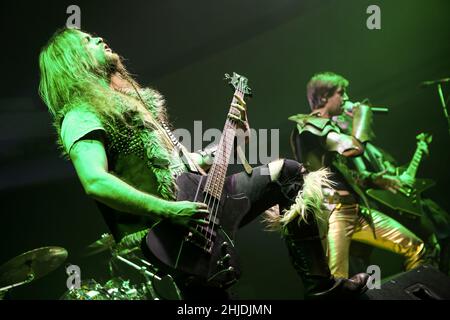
{"x": 113, "y": 64}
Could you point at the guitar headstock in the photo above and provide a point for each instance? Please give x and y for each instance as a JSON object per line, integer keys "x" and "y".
{"x": 239, "y": 83}
{"x": 423, "y": 140}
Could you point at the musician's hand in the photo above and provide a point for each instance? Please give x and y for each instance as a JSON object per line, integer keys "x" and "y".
{"x": 188, "y": 214}
{"x": 407, "y": 180}
{"x": 240, "y": 114}
{"x": 348, "y": 109}
{"x": 390, "y": 168}
{"x": 387, "y": 182}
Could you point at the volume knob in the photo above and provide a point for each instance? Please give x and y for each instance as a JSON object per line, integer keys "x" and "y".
{"x": 224, "y": 246}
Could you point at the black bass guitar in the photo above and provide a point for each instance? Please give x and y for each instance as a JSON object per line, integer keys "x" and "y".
{"x": 210, "y": 259}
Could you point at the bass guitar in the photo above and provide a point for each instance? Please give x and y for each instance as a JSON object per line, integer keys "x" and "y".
{"x": 208, "y": 257}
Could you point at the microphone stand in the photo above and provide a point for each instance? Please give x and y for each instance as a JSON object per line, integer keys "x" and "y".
{"x": 444, "y": 106}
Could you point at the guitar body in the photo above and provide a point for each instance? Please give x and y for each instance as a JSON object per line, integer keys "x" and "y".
{"x": 207, "y": 255}
{"x": 404, "y": 200}
{"x": 407, "y": 199}
{"x": 212, "y": 263}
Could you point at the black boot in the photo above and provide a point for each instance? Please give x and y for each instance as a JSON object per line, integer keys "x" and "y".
{"x": 444, "y": 263}
{"x": 302, "y": 194}
{"x": 308, "y": 257}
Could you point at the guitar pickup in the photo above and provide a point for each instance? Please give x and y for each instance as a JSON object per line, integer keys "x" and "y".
{"x": 200, "y": 241}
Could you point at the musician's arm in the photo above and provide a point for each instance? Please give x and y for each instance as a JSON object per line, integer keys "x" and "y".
{"x": 344, "y": 144}
{"x": 385, "y": 160}
{"x": 364, "y": 175}
{"x": 381, "y": 180}
{"x": 90, "y": 161}
{"x": 352, "y": 145}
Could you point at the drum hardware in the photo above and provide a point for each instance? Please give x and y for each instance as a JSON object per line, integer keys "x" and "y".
{"x": 166, "y": 284}
{"x": 30, "y": 266}
{"x": 143, "y": 270}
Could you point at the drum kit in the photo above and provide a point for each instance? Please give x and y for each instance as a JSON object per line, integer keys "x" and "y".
{"x": 37, "y": 263}
{"x": 30, "y": 266}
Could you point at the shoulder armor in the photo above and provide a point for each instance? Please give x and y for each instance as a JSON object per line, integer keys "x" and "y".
{"x": 313, "y": 124}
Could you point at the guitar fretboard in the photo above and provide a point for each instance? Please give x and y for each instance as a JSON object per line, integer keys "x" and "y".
{"x": 217, "y": 174}
{"x": 415, "y": 162}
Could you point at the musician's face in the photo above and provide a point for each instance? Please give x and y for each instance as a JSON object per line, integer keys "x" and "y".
{"x": 336, "y": 101}
{"x": 99, "y": 49}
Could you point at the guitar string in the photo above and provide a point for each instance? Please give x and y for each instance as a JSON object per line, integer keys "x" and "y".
{"x": 211, "y": 208}
{"x": 208, "y": 198}
{"x": 213, "y": 189}
{"x": 216, "y": 202}
{"x": 239, "y": 90}
{"x": 226, "y": 133}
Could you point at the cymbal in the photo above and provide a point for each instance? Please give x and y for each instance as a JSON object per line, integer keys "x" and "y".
{"x": 106, "y": 242}
{"x": 31, "y": 265}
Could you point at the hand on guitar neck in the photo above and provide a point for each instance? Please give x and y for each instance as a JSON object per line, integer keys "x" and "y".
{"x": 407, "y": 178}
{"x": 203, "y": 247}
{"x": 402, "y": 191}
{"x": 392, "y": 180}
{"x": 238, "y": 113}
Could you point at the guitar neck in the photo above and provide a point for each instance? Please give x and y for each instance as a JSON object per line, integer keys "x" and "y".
{"x": 218, "y": 171}
{"x": 414, "y": 164}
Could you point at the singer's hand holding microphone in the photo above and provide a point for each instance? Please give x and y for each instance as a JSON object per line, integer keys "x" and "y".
{"x": 350, "y": 108}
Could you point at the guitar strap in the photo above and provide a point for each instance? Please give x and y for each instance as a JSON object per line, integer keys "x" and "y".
{"x": 341, "y": 166}
{"x": 374, "y": 161}
{"x": 165, "y": 129}
{"x": 182, "y": 151}
{"x": 240, "y": 147}
{"x": 241, "y": 154}
{"x": 192, "y": 165}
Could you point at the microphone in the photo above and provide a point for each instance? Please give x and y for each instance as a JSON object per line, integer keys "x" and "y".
{"x": 349, "y": 105}
{"x": 379, "y": 109}
{"x": 433, "y": 82}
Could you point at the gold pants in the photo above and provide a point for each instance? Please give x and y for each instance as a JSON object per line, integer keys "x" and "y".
{"x": 346, "y": 224}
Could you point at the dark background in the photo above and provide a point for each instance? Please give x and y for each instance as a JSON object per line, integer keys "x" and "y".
{"x": 183, "y": 48}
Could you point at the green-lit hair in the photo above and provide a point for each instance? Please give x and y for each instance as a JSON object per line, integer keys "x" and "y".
{"x": 71, "y": 76}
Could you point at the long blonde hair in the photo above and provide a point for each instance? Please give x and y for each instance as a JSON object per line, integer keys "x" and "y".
{"x": 71, "y": 76}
